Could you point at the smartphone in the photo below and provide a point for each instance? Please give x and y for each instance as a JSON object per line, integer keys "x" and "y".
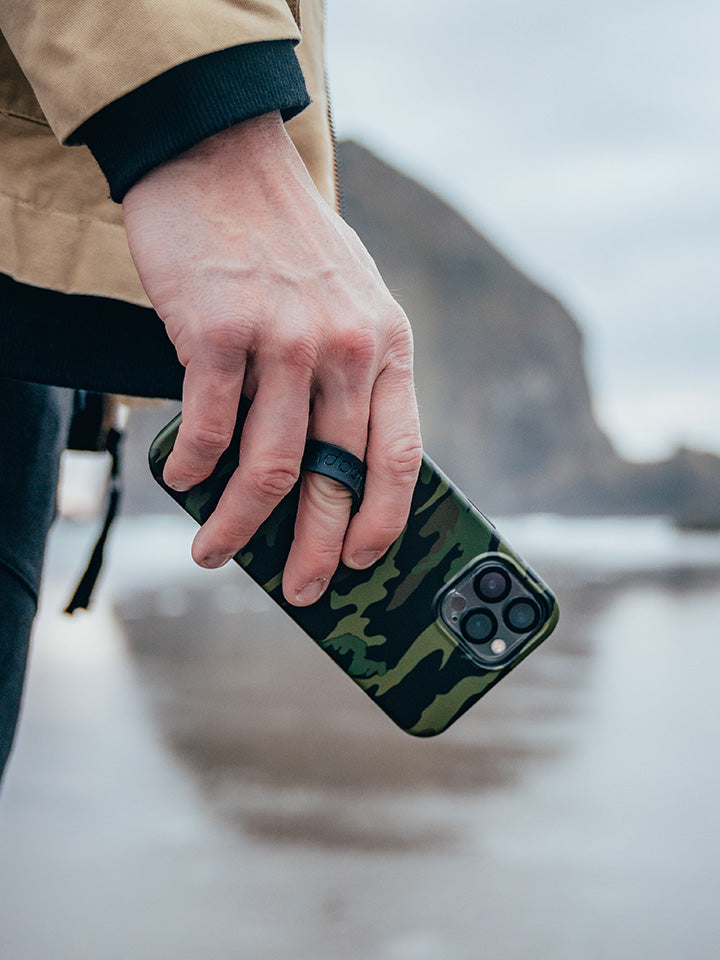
{"x": 426, "y": 631}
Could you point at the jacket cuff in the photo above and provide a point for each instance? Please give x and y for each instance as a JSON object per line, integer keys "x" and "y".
{"x": 189, "y": 103}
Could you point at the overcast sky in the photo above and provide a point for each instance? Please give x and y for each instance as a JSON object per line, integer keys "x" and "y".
{"x": 585, "y": 141}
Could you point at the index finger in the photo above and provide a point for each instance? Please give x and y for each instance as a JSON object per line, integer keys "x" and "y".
{"x": 209, "y": 410}
{"x": 271, "y": 449}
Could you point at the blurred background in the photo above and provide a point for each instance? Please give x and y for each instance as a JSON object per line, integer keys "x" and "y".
{"x": 193, "y": 777}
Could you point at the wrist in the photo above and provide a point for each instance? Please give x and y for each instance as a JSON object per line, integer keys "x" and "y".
{"x": 251, "y": 142}
{"x": 249, "y": 157}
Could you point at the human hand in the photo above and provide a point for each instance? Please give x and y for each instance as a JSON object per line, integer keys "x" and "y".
{"x": 264, "y": 290}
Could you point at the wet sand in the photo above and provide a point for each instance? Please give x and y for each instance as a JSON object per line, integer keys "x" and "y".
{"x": 194, "y": 778}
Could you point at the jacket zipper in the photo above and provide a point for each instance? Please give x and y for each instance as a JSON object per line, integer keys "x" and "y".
{"x": 331, "y": 125}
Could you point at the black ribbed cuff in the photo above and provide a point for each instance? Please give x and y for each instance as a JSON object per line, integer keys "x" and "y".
{"x": 192, "y": 101}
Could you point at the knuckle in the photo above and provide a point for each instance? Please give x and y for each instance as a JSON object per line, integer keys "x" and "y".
{"x": 298, "y": 352}
{"x": 226, "y": 345}
{"x": 273, "y": 482}
{"x": 357, "y": 346}
{"x": 402, "y": 459}
{"x": 399, "y": 339}
{"x": 207, "y": 442}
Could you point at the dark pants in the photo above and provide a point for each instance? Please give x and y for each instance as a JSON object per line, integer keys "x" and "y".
{"x": 34, "y": 423}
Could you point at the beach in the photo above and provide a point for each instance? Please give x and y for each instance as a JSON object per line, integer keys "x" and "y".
{"x": 194, "y": 778}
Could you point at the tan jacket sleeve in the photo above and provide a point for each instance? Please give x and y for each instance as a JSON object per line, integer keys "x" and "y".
{"x": 81, "y": 55}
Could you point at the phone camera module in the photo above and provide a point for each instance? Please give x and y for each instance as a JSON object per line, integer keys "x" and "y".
{"x": 479, "y": 625}
{"x": 522, "y": 614}
{"x": 492, "y": 584}
{"x": 492, "y": 609}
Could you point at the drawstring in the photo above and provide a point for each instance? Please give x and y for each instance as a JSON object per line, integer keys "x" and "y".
{"x": 83, "y": 592}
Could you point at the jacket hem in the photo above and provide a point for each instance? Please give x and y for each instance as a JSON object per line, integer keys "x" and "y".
{"x": 85, "y": 342}
{"x": 96, "y": 257}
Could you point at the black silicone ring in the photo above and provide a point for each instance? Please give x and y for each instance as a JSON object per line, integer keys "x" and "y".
{"x": 336, "y": 463}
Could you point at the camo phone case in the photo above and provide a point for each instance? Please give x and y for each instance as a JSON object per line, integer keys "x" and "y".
{"x": 405, "y": 630}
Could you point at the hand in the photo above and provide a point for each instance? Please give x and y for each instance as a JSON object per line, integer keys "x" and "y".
{"x": 264, "y": 290}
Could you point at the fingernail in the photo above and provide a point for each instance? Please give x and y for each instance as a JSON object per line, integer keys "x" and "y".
{"x": 179, "y": 486}
{"x": 364, "y": 558}
{"x": 212, "y": 563}
{"x": 311, "y": 591}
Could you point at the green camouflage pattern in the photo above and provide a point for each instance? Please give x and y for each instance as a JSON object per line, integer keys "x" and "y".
{"x": 380, "y": 625}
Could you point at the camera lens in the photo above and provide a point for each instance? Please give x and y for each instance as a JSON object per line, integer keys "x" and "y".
{"x": 492, "y": 584}
{"x": 522, "y": 614}
{"x": 479, "y": 625}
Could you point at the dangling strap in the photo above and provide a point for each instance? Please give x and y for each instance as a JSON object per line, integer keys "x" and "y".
{"x": 83, "y": 592}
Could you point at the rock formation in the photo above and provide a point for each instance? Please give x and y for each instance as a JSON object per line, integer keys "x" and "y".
{"x": 505, "y": 402}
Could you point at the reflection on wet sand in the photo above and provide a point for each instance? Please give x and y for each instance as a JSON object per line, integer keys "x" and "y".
{"x": 290, "y": 750}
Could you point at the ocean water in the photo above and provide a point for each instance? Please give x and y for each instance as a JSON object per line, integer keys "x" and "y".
{"x": 193, "y": 778}
{"x": 585, "y": 140}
